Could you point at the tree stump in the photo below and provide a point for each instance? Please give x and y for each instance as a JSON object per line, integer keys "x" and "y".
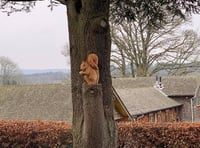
{"x": 94, "y": 120}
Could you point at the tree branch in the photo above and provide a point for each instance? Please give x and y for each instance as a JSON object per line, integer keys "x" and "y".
{"x": 21, "y": 0}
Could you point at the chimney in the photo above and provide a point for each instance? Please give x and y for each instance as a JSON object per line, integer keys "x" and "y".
{"x": 159, "y": 82}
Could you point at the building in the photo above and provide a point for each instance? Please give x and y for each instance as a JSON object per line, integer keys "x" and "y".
{"x": 143, "y": 103}
{"x": 183, "y": 90}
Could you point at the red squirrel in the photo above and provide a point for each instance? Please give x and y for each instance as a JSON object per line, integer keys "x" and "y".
{"x": 89, "y": 69}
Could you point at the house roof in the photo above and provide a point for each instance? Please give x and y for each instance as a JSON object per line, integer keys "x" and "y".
{"x": 36, "y": 102}
{"x": 180, "y": 86}
{"x": 144, "y": 100}
{"x": 173, "y": 86}
{"x": 138, "y": 82}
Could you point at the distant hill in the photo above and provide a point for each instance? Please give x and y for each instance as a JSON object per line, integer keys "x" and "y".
{"x": 45, "y": 78}
{"x": 41, "y": 71}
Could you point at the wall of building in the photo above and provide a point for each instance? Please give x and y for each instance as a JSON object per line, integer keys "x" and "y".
{"x": 196, "y": 113}
{"x": 185, "y": 112}
{"x": 168, "y": 115}
{"x": 197, "y": 106}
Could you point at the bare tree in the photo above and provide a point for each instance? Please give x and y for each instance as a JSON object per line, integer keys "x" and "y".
{"x": 9, "y": 71}
{"x": 148, "y": 50}
{"x": 66, "y": 53}
{"x": 183, "y": 58}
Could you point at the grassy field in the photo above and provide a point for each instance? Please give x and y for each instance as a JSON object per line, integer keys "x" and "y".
{"x": 36, "y": 102}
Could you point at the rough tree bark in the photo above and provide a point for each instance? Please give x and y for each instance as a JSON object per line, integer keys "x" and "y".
{"x": 94, "y": 119}
{"x": 89, "y": 32}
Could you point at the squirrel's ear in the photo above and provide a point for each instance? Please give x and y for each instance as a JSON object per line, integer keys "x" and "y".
{"x": 93, "y": 60}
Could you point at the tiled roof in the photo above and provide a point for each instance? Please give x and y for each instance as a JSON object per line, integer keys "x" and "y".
{"x": 124, "y": 83}
{"x": 180, "y": 86}
{"x": 144, "y": 100}
{"x": 173, "y": 86}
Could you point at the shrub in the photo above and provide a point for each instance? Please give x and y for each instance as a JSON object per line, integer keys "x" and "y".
{"x": 44, "y": 134}
{"x": 35, "y": 134}
{"x": 132, "y": 135}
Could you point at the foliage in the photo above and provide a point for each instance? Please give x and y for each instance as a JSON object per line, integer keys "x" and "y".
{"x": 153, "y": 11}
{"x": 158, "y": 135}
{"x": 14, "y": 6}
{"x": 59, "y": 134}
{"x": 35, "y": 134}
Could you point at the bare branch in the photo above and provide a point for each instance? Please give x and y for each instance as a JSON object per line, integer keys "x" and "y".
{"x": 150, "y": 50}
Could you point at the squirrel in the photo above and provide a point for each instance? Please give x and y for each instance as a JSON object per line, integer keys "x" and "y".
{"x": 89, "y": 69}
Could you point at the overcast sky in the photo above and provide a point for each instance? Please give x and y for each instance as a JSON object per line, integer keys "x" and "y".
{"x": 35, "y": 40}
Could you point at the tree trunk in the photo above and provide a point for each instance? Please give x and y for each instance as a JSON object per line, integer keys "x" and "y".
{"x": 89, "y": 31}
{"x": 94, "y": 120}
{"x": 123, "y": 64}
{"x": 142, "y": 70}
{"x": 132, "y": 69}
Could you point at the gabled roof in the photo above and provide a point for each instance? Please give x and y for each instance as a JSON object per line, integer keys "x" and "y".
{"x": 144, "y": 100}
{"x": 173, "y": 85}
{"x": 180, "y": 86}
{"x": 133, "y": 82}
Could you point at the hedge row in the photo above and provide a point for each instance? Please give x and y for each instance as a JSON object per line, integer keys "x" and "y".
{"x": 41, "y": 134}
{"x": 35, "y": 134}
{"x": 173, "y": 135}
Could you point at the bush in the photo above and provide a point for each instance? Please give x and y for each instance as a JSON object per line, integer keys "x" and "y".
{"x": 43, "y": 134}
{"x": 27, "y": 134}
{"x": 151, "y": 135}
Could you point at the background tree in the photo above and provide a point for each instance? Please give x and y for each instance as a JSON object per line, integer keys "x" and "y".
{"x": 9, "y": 71}
{"x": 183, "y": 58}
{"x": 89, "y": 31}
{"x": 146, "y": 50}
{"x": 66, "y": 53}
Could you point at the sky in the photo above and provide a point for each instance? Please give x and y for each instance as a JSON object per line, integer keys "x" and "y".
{"x": 35, "y": 40}
{"x": 196, "y": 23}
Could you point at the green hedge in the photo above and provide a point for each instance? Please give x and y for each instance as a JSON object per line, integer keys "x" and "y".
{"x": 43, "y": 134}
